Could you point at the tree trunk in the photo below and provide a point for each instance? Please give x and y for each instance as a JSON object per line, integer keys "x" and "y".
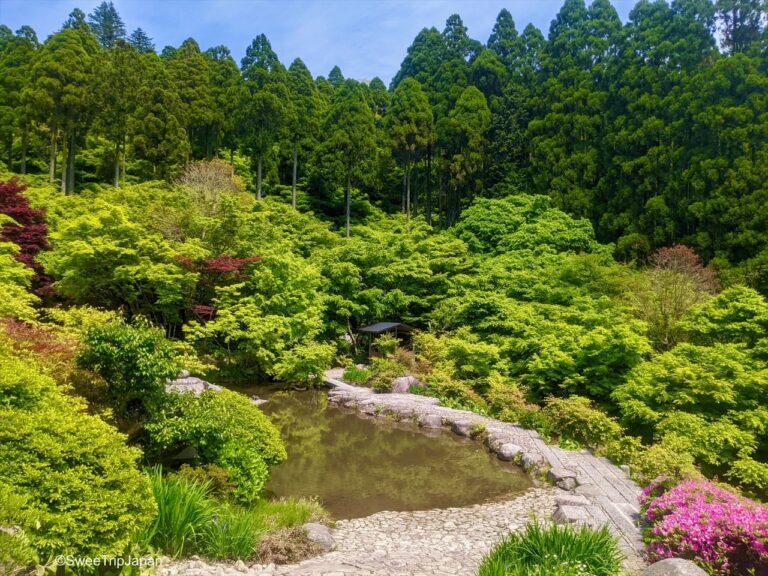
{"x": 258, "y": 180}
{"x": 71, "y": 164}
{"x": 52, "y": 162}
{"x": 117, "y": 165}
{"x": 408, "y": 190}
{"x": 402, "y": 195}
{"x": 295, "y": 171}
{"x": 10, "y": 152}
{"x": 429, "y": 184}
{"x": 348, "y": 201}
{"x": 124, "y": 159}
{"x": 64, "y": 158}
{"x": 24, "y": 151}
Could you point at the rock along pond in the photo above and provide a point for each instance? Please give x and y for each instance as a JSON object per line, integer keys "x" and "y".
{"x": 359, "y": 466}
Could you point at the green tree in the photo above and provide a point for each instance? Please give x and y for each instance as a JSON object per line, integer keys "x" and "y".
{"x": 117, "y": 91}
{"x": 349, "y": 132}
{"x": 107, "y": 25}
{"x": 63, "y": 94}
{"x": 190, "y": 73}
{"x": 141, "y": 41}
{"x": 411, "y": 128}
{"x": 307, "y": 109}
{"x": 461, "y": 137}
{"x": 156, "y": 127}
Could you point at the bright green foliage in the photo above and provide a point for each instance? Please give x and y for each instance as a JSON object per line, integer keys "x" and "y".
{"x": 518, "y": 222}
{"x": 261, "y": 322}
{"x": 15, "y": 282}
{"x": 135, "y": 360}
{"x": 225, "y": 429}
{"x": 704, "y": 401}
{"x": 739, "y": 315}
{"x": 305, "y": 364}
{"x": 81, "y": 491}
{"x": 554, "y": 551}
{"x": 105, "y": 258}
{"x": 16, "y": 551}
{"x": 393, "y": 268}
{"x": 576, "y": 419}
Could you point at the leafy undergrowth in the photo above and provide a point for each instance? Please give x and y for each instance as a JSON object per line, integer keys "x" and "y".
{"x": 554, "y": 551}
{"x": 191, "y": 521}
{"x": 724, "y": 533}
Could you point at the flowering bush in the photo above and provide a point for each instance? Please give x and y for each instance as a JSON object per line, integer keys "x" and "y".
{"x": 724, "y": 533}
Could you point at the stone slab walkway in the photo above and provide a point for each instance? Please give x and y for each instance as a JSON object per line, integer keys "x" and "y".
{"x": 595, "y": 491}
{"x": 448, "y": 542}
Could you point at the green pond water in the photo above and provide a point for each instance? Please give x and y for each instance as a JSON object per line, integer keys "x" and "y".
{"x": 357, "y": 466}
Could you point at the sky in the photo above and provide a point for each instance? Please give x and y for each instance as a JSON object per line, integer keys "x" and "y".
{"x": 365, "y": 38}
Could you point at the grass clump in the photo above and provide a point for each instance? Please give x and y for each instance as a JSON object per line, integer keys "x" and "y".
{"x": 554, "y": 551}
{"x": 356, "y": 375}
{"x": 191, "y": 521}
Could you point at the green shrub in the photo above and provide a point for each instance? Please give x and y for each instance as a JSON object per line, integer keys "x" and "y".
{"x": 135, "y": 360}
{"x": 663, "y": 460}
{"x": 507, "y": 401}
{"x": 750, "y": 475}
{"x": 82, "y": 491}
{"x": 554, "y": 551}
{"x": 17, "y": 555}
{"x": 305, "y": 363}
{"x": 218, "y": 479}
{"x": 356, "y": 375}
{"x": 384, "y": 372}
{"x": 576, "y": 419}
{"x": 184, "y": 515}
{"x": 226, "y": 429}
{"x": 15, "y": 281}
{"x": 386, "y": 344}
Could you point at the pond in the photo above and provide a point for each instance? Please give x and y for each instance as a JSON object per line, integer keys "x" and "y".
{"x": 357, "y": 466}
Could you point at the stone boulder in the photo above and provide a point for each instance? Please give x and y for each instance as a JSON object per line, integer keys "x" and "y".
{"x": 404, "y": 384}
{"x": 321, "y": 535}
{"x": 193, "y": 385}
{"x": 462, "y": 427}
{"x": 508, "y": 451}
{"x": 674, "y": 567}
{"x": 562, "y": 478}
{"x": 190, "y": 384}
{"x": 430, "y": 421}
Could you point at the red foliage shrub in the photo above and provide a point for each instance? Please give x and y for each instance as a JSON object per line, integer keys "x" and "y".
{"x": 29, "y": 231}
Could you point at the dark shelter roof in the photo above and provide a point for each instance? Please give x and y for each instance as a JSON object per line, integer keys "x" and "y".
{"x": 380, "y": 327}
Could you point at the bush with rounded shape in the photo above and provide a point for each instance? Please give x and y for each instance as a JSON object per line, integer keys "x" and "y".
{"x": 724, "y": 533}
{"x": 135, "y": 359}
{"x": 226, "y": 429}
{"x": 82, "y": 490}
{"x": 576, "y": 419}
{"x": 554, "y": 551}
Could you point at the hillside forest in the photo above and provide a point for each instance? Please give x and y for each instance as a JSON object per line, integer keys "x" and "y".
{"x": 576, "y": 222}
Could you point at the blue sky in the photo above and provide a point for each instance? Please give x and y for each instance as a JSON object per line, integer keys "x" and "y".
{"x": 366, "y": 38}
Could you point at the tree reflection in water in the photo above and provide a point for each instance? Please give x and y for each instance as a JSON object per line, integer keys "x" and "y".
{"x": 357, "y": 466}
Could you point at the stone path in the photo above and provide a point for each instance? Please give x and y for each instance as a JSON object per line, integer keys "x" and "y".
{"x": 448, "y": 542}
{"x": 595, "y": 491}
{"x": 453, "y": 541}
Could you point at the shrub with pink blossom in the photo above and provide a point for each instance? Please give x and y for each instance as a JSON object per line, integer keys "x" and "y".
{"x": 724, "y": 533}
